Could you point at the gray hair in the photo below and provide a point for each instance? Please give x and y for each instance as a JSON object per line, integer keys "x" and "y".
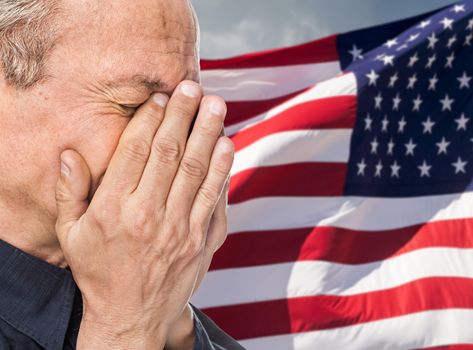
{"x": 27, "y": 34}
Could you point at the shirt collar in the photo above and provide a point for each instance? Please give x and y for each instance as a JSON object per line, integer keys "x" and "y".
{"x": 36, "y": 297}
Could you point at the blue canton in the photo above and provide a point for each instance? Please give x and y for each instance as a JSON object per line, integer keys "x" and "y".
{"x": 414, "y": 129}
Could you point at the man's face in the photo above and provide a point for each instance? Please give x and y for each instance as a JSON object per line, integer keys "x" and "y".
{"x": 111, "y": 57}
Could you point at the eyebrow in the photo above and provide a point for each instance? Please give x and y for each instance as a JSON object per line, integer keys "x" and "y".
{"x": 138, "y": 81}
{"x": 151, "y": 84}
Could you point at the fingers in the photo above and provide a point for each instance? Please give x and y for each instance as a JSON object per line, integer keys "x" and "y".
{"x": 169, "y": 143}
{"x": 218, "y": 224}
{"x": 72, "y": 190}
{"x": 216, "y": 236}
{"x": 211, "y": 189}
{"x": 195, "y": 161}
{"x": 129, "y": 160}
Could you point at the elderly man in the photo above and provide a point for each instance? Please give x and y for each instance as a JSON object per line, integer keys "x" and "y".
{"x": 113, "y": 176}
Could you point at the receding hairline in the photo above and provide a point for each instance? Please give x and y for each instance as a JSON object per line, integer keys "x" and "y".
{"x": 29, "y": 30}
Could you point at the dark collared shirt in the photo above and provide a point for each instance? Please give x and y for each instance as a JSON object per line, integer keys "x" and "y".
{"x": 41, "y": 307}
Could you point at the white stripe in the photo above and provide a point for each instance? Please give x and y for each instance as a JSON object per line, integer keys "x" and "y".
{"x": 343, "y": 85}
{"x": 310, "y": 278}
{"x": 356, "y": 213}
{"x": 233, "y": 129}
{"x": 419, "y": 330}
{"x": 295, "y": 146}
{"x": 252, "y": 84}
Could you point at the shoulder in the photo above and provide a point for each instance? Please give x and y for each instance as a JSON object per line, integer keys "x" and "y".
{"x": 12, "y": 338}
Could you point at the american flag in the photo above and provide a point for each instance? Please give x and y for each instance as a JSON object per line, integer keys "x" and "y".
{"x": 351, "y": 203}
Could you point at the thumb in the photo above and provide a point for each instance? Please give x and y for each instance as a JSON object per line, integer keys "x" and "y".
{"x": 72, "y": 190}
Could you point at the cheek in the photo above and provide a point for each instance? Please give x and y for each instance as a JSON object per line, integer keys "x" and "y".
{"x": 97, "y": 143}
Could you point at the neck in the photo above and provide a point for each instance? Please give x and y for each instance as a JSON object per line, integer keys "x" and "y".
{"x": 30, "y": 230}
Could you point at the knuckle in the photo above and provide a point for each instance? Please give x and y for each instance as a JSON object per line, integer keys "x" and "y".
{"x": 192, "y": 167}
{"x": 154, "y": 113}
{"x": 167, "y": 151}
{"x": 99, "y": 215}
{"x": 209, "y": 129}
{"x": 176, "y": 229}
{"x": 192, "y": 248}
{"x": 209, "y": 194}
{"x": 143, "y": 219}
{"x": 164, "y": 255}
{"x": 222, "y": 169}
{"x": 136, "y": 149}
{"x": 199, "y": 232}
{"x": 175, "y": 235}
{"x": 171, "y": 243}
{"x": 182, "y": 109}
{"x": 61, "y": 194}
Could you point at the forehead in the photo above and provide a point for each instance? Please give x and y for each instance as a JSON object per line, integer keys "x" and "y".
{"x": 149, "y": 40}
{"x": 169, "y": 18}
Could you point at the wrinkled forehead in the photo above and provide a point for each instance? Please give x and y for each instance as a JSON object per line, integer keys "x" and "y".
{"x": 150, "y": 34}
{"x": 117, "y": 19}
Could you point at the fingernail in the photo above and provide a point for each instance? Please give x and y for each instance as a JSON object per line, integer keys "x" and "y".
{"x": 217, "y": 108}
{"x": 65, "y": 170}
{"x": 226, "y": 146}
{"x": 160, "y": 99}
{"x": 190, "y": 90}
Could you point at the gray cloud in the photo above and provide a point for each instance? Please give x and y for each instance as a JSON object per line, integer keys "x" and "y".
{"x": 232, "y": 27}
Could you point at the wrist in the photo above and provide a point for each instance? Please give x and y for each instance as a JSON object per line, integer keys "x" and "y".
{"x": 181, "y": 335}
{"x": 119, "y": 334}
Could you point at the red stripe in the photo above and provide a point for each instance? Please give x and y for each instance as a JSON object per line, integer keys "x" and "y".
{"x": 321, "y": 312}
{"x": 327, "y": 113}
{"x": 239, "y": 111}
{"x": 452, "y": 347}
{"x": 338, "y": 245}
{"x": 306, "y": 179}
{"x": 318, "y": 51}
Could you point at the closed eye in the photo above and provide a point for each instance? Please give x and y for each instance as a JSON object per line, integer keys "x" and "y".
{"x": 130, "y": 109}
{"x": 132, "y": 106}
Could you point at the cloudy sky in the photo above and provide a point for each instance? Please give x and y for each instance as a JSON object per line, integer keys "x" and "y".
{"x": 232, "y": 27}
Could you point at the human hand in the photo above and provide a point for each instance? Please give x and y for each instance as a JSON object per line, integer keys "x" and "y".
{"x": 136, "y": 249}
{"x": 182, "y": 333}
